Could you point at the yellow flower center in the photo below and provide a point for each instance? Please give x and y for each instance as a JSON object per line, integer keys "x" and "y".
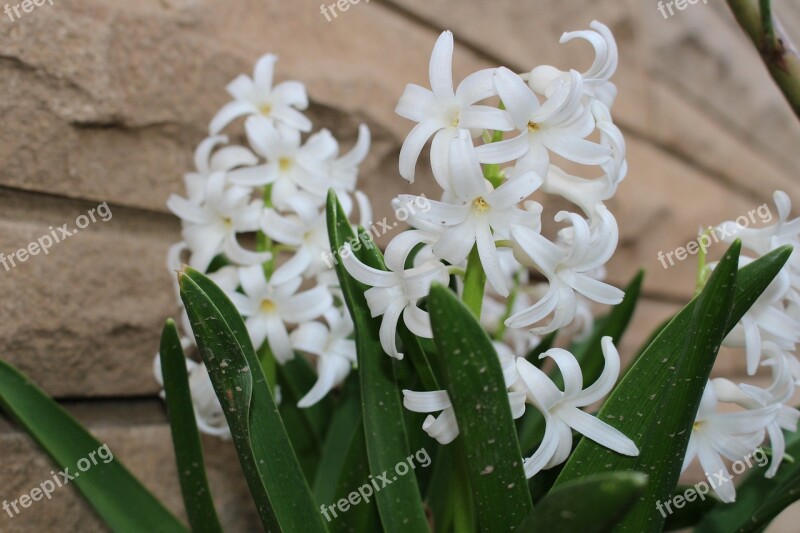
{"x": 285, "y": 163}
{"x": 265, "y": 109}
{"x": 533, "y": 127}
{"x": 268, "y": 306}
{"x": 480, "y": 204}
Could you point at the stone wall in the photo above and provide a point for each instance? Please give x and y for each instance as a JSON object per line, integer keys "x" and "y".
{"x": 104, "y": 101}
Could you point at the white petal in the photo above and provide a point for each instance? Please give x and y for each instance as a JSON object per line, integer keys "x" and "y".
{"x": 441, "y": 68}
{"x": 292, "y": 93}
{"x": 234, "y": 251}
{"x": 540, "y": 389}
{"x": 230, "y": 112}
{"x": 504, "y": 151}
{"x": 418, "y": 322}
{"x": 455, "y": 244}
{"x": 365, "y": 274}
{"x": 712, "y": 463}
{"x": 517, "y": 97}
{"x": 294, "y": 267}
{"x": 426, "y": 402}
{"x": 476, "y": 87}
{"x": 416, "y": 103}
{"x": 264, "y": 71}
{"x": 570, "y": 371}
{"x": 332, "y": 371}
{"x": 487, "y": 251}
{"x": 413, "y": 145}
{"x": 388, "y": 331}
{"x": 278, "y": 339}
{"x": 310, "y": 337}
{"x": 597, "y": 290}
{"x": 535, "y": 463}
{"x": 485, "y": 117}
{"x": 603, "y": 385}
{"x": 443, "y": 428}
{"x": 597, "y": 430}
{"x": 307, "y": 305}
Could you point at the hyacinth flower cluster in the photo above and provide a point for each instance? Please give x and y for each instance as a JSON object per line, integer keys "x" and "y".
{"x": 497, "y": 139}
{"x": 471, "y": 335}
{"x": 271, "y": 191}
{"x": 768, "y": 335}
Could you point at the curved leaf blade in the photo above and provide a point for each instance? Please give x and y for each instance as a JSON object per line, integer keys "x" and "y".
{"x": 270, "y": 465}
{"x": 593, "y": 504}
{"x": 185, "y": 436}
{"x": 474, "y": 381}
{"x": 399, "y": 503}
{"x": 118, "y": 497}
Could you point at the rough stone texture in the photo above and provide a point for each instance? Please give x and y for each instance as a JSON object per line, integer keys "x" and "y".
{"x": 104, "y": 101}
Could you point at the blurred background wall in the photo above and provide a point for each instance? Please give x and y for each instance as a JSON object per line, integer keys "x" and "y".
{"x": 104, "y": 101}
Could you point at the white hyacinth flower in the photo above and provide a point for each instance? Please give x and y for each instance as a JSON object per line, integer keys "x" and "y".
{"x": 766, "y": 320}
{"x": 568, "y": 268}
{"x": 211, "y": 228}
{"x": 257, "y": 96}
{"x": 207, "y": 410}
{"x": 444, "y": 427}
{"x": 397, "y": 291}
{"x": 778, "y": 393}
{"x": 306, "y": 232}
{"x": 267, "y": 308}
{"x": 480, "y": 216}
{"x": 561, "y": 409}
{"x": 335, "y": 352}
{"x": 561, "y": 125}
{"x": 292, "y": 167}
{"x": 440, "y": 112}
{"x": 731, "y": 435}
{"x": 207, "y": 163}
{"x": 764, "y": 240}
{"x": 597, "y": 84}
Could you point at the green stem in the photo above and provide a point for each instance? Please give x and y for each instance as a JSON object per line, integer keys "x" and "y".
{"x": 512, "y": 298}
{"x": 269, "y": 364}
{"x": 702, "y": 266}
{"x": 474, "y": 283}
{"x": 776, "y": 48}
{"x": 263, "y": 242}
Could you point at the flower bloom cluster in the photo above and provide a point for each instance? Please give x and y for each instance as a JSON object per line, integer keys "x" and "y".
{"x": 489, "y": 160}
{"x": 768, "y": 334}
{"x": 270, "y": 194}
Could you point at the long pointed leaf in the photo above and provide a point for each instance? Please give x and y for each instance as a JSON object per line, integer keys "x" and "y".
{"x": 592, "y": 504}
{"x": 400, "y": 502}
{"x": 185, "y": 436}
{"x": 474, "y": 381}
{"x": 118, "y": 497}
{"x": 271, "y": 468}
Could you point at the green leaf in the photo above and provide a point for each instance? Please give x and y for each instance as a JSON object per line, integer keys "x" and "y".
{"x": 474, "y": 381}
{"x": 185, "y": 436}
{"x": 400, "y": 502}
{"x": 271, "y": 468}
{"x": 691, "y": 512}
{"x": 118, "y": 497}
{"x": 592, "y": 504}
{"x": 656, "y": 403}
